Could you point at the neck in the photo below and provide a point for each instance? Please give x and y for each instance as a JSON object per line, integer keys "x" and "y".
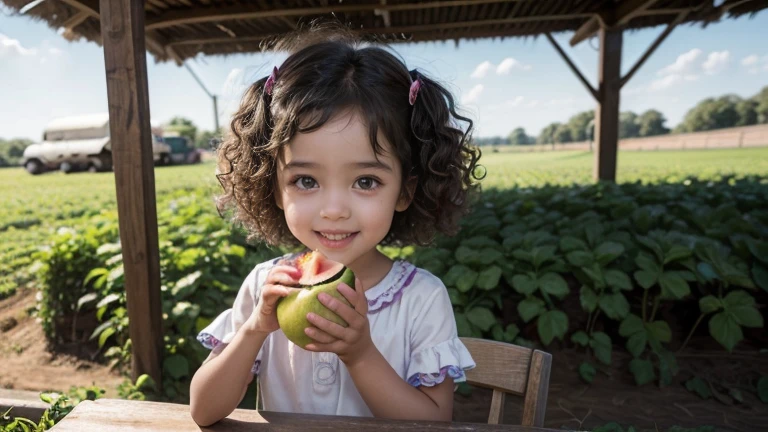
{"x": 371, "y": 268}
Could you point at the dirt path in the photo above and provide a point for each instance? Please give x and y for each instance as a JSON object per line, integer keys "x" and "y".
{"x": 28, "y": 365}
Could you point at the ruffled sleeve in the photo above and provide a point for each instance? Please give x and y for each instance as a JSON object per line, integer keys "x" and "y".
{"x": 436, "y": 350}
{"x": 223, "y": 328}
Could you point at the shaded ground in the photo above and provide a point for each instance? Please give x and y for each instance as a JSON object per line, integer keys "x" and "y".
{"x": 25, "y": 362}
{"x": 27, "y": 365}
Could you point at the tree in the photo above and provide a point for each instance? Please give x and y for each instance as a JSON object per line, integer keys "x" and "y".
{"x": 11, "y": 151}
{"x": 762, "y": 105}
{"x": 182, "y": 126}
{"x": 519, "y": 137}
{"x": 208, "y": 140}
{"x": 548, "y": 133}
{"x": 563, "y": 134}
{"x": 651, "y": 123}
{"x": 747, "y": 110}
{"x": 711, "y": 114}
{"x": 577, "y": 125}
{"x": 629, "y": 126}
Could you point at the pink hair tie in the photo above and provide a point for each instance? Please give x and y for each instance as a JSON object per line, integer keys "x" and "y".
{"x": 270, "y": 81}
{"x": 415, "y": 86}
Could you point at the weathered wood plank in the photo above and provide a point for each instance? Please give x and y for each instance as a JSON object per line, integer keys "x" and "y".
{"x": 607, "y": 114}
{"x": 122, "y": 416}
{"x": 122, "y": 25}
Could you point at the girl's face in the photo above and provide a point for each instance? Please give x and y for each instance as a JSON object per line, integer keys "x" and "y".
{"x": 337, "y": 197}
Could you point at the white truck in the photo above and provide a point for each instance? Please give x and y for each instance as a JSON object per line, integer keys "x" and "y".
{"x": 82, "y": 143}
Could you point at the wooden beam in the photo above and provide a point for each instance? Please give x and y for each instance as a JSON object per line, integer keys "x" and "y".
{"x": 125, "y": 60}
{"x": 671, "y": 26}
{"x": 573, "y": 67}
{"x": 89, "y": 6}
{"x": 250, "y": 11}
{"x": 615, "y": 16}
{"x": 385, "y": 30}
{"x": 607, "y": 113}
{"x": 76, "y": 20}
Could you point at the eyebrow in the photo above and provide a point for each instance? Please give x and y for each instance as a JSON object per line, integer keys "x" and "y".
{"x": 359, "y": 165}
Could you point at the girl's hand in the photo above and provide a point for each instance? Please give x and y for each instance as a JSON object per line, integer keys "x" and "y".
{"x": 277, "y": 285}
{"x": 351, "y": 343}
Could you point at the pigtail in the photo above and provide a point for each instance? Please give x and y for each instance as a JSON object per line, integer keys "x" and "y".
{"x": 442, "y": 159}
{"x": 243, "y": 156}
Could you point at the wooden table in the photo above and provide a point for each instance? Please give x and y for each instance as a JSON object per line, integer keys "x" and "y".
{"x": 114, "y": 415}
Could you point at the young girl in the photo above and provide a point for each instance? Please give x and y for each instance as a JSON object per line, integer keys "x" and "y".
{"x": 342, "y": 149}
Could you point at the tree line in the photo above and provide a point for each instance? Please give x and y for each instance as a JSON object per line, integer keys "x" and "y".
{"x": 709, "y": 114}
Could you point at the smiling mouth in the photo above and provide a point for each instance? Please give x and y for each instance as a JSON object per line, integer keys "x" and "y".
{"x": 335, "y": 236}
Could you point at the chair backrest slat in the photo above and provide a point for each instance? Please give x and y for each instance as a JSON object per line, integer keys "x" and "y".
{"x": 508, "y": 368}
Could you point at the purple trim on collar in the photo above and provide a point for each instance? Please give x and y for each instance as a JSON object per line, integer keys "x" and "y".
{"x": 394, "y": 292}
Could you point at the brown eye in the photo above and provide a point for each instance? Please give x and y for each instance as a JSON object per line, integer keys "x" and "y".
{"x": 305, "y": 183}
{"x": 368, "y": 183}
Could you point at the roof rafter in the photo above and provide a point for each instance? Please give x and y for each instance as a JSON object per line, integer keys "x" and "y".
{"x": 615, "y": 16}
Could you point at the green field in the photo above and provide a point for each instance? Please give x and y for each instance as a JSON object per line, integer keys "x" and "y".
{"x": 36, "y": 206}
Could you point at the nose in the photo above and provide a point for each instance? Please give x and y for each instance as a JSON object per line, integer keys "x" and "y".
{"x": 335, "y": 206}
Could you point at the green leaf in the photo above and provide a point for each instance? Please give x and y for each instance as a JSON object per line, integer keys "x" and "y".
{"x": 632, "y": 324}
{"x": 588, "y": 299}
{"x": 111, "y": 298}
{"x": 725, "y": 330}
{"x": 587, "y": 372}
{"x": 457, "y": 298}
{"x": 554, "y": 284}
{"x": 677, "y": 253}
{"x": 608, "y": 251}
{"x": 667, "y": 367}
{"x": 614, "y": 305}
{"x": 673, "y": 286}
{"x": 709, "y": 304}
{"x": 530, "y": 308}
{"x": 617, "y": 279}
{"x": 86, "y": 299}
{"x": 645, "y": 278}
{"x": 497, "y": 332}
{"x": 602, "y": 346}
{"x": 760, "y": 275}
{"x": 579, "y": 258}
{"x": 698, "y": 386}
{"x": 568, "y": 244}
{"x": 176, "y": 366}
{"x": 109, "y": 331}
{"x": 636, "y": 343}
{"x": 707, "y": 271}
{"x": 762, "y": 388}
{"x": 454, "y": 273}
{"x": 542, "y": 254}
{"x": 659, "y": 330}
{"x": 647, "y": 263}
{"x": 489, "y": 278}
{"x": 552, "y": 324}
{"x": 465, "y": 255}
{"x": 511, "y": 333}
{"x": 466, "y": 281}
{"x": 642, "y": 370}
{"x": 524, "y": 284}
{"x": 463, "y": 327}
{"x": 580, "y": 337}
{"x": 651, "y": 244}
{"x": 482, "y": 318}
{"x": 741, "y": 307}
{"x": 759, "y": 249}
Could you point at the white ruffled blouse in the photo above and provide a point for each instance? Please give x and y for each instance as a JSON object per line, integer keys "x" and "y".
{"x": 412, "y": 325}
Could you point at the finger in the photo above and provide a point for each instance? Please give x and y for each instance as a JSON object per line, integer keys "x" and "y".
{"x": 333, "y": 347}
{"x": 348, "y": 293}
{"x": 283, "y": 275}
{"x": 351, "y": 316}
{"x": 319, "y": 336}
{"x": 327, "y": 326}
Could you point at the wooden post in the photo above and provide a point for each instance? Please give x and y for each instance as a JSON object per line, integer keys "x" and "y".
{"x": 607, "y": 115}
{"x": 122, "y": 31}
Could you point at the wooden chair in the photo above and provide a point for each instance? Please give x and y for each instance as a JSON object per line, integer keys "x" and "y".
{"x": 508, "y": 368}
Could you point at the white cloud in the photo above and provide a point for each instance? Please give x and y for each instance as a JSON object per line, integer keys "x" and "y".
{"x": 716, "y": 62}
{"x": 750, "y": 60}
{"x": 473, "y": 94}
{"x": 55, "y": 51}
{"x": 506, "y": 66}
{"x": 533, "y": 103}
{"x": 12, "y": 47}
{"x": 683, "y": 63}
{"x": 670, "y": 81}
{"x": 482, "y": 69}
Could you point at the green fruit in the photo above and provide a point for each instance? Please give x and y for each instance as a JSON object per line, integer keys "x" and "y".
{"x": 292, "y": 310}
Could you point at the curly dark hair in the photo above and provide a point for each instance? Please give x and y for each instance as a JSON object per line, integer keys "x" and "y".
{"x": 321, "y": 79}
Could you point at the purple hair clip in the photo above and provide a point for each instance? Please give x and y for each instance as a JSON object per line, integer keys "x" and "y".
{"x": 270, "y": 81}
{"x": 415, "y": 86}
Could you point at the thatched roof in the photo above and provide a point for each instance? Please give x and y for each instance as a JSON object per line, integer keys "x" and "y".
{"x": 179, "y": 29}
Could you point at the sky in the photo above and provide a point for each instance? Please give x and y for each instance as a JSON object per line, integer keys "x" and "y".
{"x": 502, "y": 84}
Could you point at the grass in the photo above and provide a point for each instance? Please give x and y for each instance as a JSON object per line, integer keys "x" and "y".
{"x": 35, "y": 206}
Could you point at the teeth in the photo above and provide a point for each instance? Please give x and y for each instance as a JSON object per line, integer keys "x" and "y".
{"x": 335, "y": 236}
